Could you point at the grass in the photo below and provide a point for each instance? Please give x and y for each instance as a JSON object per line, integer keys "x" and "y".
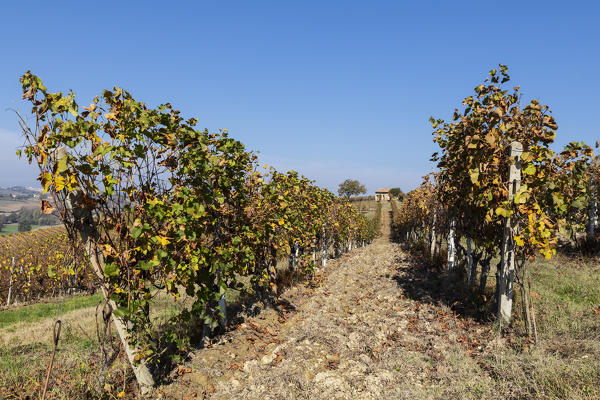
{"x": 10, "y": 229}
{"x": 564, "y": 364}
{"x": 35, "y": 312}
{"x": 26, "y": 347}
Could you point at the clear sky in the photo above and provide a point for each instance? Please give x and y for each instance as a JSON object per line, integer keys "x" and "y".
{"x": 333, "y": 89}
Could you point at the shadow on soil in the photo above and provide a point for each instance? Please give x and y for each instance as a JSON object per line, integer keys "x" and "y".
{"x": 199, "y": 336}
{"x": 430, "y": 284}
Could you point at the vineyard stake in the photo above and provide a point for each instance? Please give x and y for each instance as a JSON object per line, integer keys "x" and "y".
{"x": 451, "y": 244}
{"x": 323, "y": 249}
{"x": 535, "y": 335}
{"x": 507, "y": 260}
{"x": 10, "y": 283}
{"x": 592, "y": 212}
{"x": 525, "y": 299}
{"x": 432, "y": 236}
{"x": 55, "y": 337}
{"x": 222, "y": 303}
{"x": 470, "y": 274}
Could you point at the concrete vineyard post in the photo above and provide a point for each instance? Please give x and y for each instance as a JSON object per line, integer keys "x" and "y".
{"x": 432, "y": 236}
{"x": 507, "y": 260}
{"x": 293, "y": 258}
{"x": 323, "y": 248}
{"x": 451, "y": 244}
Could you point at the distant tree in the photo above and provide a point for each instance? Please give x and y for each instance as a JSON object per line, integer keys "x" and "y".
{"x": 396, "y": 192}
{"x": 350, "y": 188}
{"x": 24, "y": 225}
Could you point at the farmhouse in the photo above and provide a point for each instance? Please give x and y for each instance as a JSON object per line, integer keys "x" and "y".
{"x": 382, "y": 194}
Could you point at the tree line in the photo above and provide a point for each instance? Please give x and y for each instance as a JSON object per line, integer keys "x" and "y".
{"x": 26, "y": 217}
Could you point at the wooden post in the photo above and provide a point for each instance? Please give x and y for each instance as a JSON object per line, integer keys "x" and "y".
{"x": 432, "y": 236}
{"x": 451, "y": 244}
{"x": 10, "y": 282}
{"x": 470, "y": 274}
{"x": 84, "y": 224}
{"x": 592, "y": 212}
{"x": 507, "y": 260}
{"x": 222, "y": 303}
{"x": 223, "y": 306}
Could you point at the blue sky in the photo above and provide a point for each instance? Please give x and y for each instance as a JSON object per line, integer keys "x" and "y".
{"x": 333, "y": 89}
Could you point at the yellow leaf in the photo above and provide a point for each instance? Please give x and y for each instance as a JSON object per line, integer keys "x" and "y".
{"x": 281, "y": 221}
{"x": 163, "y": 240}
{"x": 519, "y": 241}
{"x": 59, "y": 183}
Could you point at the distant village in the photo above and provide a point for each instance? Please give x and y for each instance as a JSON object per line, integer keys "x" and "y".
{"x": 20, "y": 193}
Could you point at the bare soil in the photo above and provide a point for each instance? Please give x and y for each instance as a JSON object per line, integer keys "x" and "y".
{"x": 359, "y": 330}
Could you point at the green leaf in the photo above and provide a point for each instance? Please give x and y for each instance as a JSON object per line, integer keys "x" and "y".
{"x": 62, "y": 165}
{"x": 120, "y": 312}
{"x": 503, "y": 212}
{"x": 144, "y": 265}
{"x": 136, "y": 231}
{"x": 579, "y": 204}
{"x": 474, "y": 174}
{"x": 111, "y": 269}
{"x": 529, "y": 169}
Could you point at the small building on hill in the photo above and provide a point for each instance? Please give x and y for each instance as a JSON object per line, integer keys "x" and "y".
{"x": 382, "y": 194}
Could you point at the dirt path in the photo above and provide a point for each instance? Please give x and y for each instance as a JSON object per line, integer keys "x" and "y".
{"x": 355, "y": 335}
